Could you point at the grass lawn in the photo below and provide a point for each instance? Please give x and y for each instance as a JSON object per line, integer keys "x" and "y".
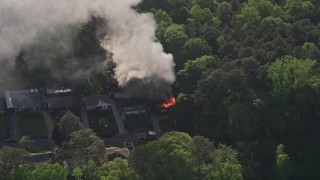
{"x": 32, "y": 125}
{"x": 97, "y": 121}
{"x": 4, "y": 131}
{"x": 134, "y": 123}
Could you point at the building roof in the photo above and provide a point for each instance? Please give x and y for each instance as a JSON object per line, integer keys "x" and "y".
{"x": 116, "y": 150}
{"x": 123, "y": 100}
{"x": 61, "y": 102}
{"x": 120, "y": 95}
{"x": 94, "y": 101}
{"x": 28, "y": 98}
{"x": 57, "y": 98}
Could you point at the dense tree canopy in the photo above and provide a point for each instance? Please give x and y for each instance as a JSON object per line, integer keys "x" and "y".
{"x": 247, "y": 73}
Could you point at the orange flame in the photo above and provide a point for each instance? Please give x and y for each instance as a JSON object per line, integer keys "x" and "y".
{"x": 170, "y": 103}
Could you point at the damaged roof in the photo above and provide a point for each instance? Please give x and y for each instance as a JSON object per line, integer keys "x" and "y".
{"x": 28, "y": 98}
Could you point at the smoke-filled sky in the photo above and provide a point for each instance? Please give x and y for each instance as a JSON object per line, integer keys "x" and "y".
{"x": 130, "y": 37}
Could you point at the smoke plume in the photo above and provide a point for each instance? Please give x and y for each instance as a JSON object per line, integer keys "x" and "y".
{"x": 43, "y": 30}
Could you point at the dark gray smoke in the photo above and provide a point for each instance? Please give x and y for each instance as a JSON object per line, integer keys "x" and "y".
{"x": 44, "y": 29}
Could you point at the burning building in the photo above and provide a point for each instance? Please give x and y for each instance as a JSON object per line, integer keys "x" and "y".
{"x": 129, "y": 105}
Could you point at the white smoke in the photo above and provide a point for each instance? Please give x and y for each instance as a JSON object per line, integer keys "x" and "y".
{"x": 130, "y": 35}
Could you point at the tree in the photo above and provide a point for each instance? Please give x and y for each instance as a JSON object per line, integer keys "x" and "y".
{"x": 23, "y": 172}
{"x": 161, "y": 29}
{"x": 117, "y": 169}
{"x": 26, "y": 142}
{"x": 215, "y": 80}
{"x": 226, "y": 165}
{"x": 70, "y": 123}
{"x": 225, "y": 12}
{"x": 202, "y": 149}
{"x": 176, "y": 3}
{"x": 282, "y": 165}
{"x": 254, "y": 11}
{"x": 91, "y": 171}
{"x": 83, "y": 146}
{"x": 162, "y": 16}
{"x": 47, "y": 171}
{"x": 195, "y": 48}
{"x": 168, "y": 158}
{"x": 11, "y": 158}
{"x": 289, "y": 73}
{"x": 298, "y": 9}
{"x": 204, "y": 3}
{"x": 179, "y": 15}
{"x": 201, "y": 15}
{"x": 184, "y": 113}
{"x": 249, "y": 17}
{"x": 175, "y": 37}
{"x": 189, "y": 76}
{"x": 227, "y": 171}
{"x": 77, "y": 173}
{"x": 141, "y": 158}
{"x": 312, "y": 50}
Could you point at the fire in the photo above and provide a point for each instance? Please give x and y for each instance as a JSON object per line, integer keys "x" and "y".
{"x": 170, "y": 103}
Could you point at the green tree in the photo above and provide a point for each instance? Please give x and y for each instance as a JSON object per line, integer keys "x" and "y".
{"x": 91, "y": 171}
{"x": 179, "y": 15}
{"x": 117, "y": 169}
{"x": 201, "y": 15}
{"x": 249, "y": 17}
{"x": 298, "y": 9}
{"x": 161, "y": 29}
{"x": 170, "y": 153}
{"x": 10, "y": 159}
{"x": 289, "y": 73}
{"x": 195, "y": 48}
{"x": 77, "y": 173}
{"x": 282, "y": 165}
{"x": 204, "y": 3}
{"x": 226, "y": 164}
{"x": 221, "y": 40}
{"x": 26, "y": 142}
{"x": 176, "y": 3}
{"x": 23, "y": 172}
{"x": 184, "y": 113}
{"x": 188, "y": 77}
{"x": 261, "y": 9}
{"x": 202, "y": 149}
{"x": 225, "y": 12}
{"x": 312, "y": 50}
{"x": 70, "y": 123}
{"x": 83, "y": 146}
{"x": 162, "y": 16}
{"x": 175, "y": 37}
{"x": 47, "y": 171}
{"x": 141, "y": 158}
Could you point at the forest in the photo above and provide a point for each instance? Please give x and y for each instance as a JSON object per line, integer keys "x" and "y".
{"x": 247, "y": 94}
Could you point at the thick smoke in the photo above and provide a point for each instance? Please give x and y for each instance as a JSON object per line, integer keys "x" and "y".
{"x": 42, "y": 28}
